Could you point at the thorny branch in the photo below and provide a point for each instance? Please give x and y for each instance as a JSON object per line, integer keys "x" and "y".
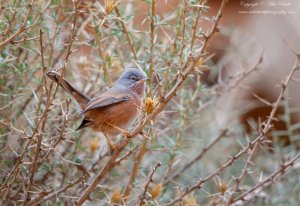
{"x": 143, "y": 196}
{"x": 152, "y": 39}
{"x": 267, "y": 126}
{"x": 125, "y": 30}
{"x": 37, "y": 201}
{"x": 242, "y": 175}
{"x": 282, "y": 170}
{"x": 136, "y": 166}
{"x": 105, "y": 69}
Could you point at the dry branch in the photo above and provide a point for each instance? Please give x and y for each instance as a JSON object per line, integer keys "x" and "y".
{"x": 143, "y": 196}
{"x": 281, "y": 171}
{"x": 265, "y": 128}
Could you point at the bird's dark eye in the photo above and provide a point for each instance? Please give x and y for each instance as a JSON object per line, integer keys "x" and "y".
{"x": 133, "y": 78}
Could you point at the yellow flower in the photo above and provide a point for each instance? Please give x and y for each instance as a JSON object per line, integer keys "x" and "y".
{"x": 156, "y": 191}
{"x": 149, "y": 104}
{"x": 110, "y": 5}
{"x": 222, "y": 187}
{"x": 116, "y": 197}
{"x": 94, "y": 145}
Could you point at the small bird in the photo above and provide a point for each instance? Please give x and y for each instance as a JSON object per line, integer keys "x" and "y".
{"x": 114, "y": 110}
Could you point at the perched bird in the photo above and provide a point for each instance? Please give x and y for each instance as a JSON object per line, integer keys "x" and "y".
{"x": 114, "y": 110}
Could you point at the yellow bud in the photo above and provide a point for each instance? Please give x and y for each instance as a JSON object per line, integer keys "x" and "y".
{"x": 94, "y": 145}
{"x": 110, "y": 5}
{"x": 116, "y": 197}
{"x": 222, "y": 187}
{"x": 149, "y": 104}
{"x": 156, "y": 191}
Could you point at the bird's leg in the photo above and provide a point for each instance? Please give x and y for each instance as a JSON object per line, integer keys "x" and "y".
{"x": 112, "y": 147}
{"x": 125, "y": 132}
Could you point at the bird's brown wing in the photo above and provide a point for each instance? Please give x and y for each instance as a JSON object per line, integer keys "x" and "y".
{"x": 111, "y": 97}
{"x": 105, "y": 101}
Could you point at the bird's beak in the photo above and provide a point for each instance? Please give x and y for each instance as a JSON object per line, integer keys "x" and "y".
{"x": 144, "y": 80}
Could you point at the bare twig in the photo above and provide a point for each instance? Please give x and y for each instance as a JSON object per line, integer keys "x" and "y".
{"x": 54, "y": 194}
{"x": 104, "y": 66}
{"x": 24, "y": 39}
{"x": 127, "y": 155}
{"x": 183, "y": 31}
{"x": 135, "y": 169}
{"x": 39, "y": 142}
{"x": 199, "y": 10}
{"x": 242, "y": 175}
{"x": 143, "y": 196}
{"x": 125, "y": 30}
{"x": 152, "y": 28}
{"x": 265, "y": 183}
{"x": 15, "y": 129}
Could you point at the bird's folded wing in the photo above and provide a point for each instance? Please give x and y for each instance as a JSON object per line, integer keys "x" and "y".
{"x": 105, "y": 101}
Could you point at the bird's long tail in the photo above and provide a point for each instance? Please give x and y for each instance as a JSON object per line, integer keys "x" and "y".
{"x": 78, "y": 96}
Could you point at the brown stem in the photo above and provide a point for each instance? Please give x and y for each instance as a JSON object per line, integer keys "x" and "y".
{"x": 143, "y": 196}
{"x": 125, "y": 30}
{"x": 272, "y": 178}
{"x": 135, "y": 169}
{"x": 152, "y": 28}
{"x": 183, "y": 31}
{"x": 39, "y": 201}
{"x": 242, "y": 175}
{"x": 104, "y": 66}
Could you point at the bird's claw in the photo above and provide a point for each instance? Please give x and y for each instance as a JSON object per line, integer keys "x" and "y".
{"x": 113, "y": 148}
{"x": 126, "y": 134}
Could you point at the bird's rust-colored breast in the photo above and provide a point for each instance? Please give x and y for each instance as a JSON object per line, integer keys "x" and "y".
{"x": 120, "y": 115}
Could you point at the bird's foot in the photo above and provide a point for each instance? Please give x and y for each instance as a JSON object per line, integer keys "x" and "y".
{"x": 126, "y": 133}
{"x": 113, "y": 148}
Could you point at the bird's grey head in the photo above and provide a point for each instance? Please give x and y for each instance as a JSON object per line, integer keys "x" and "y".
{"x": 134, "y": 79}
